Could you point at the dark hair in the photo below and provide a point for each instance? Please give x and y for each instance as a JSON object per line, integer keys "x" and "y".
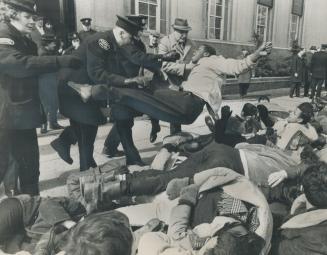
{"x": 249, "y": 110}
{"x": 307, "y": 112}
{"x": 209, "y": 49}
{"x": 101, "y": 234}
{"x": 229, "y": 244}
{"x": 308, "y": 155}
{"x": 314, "y": 181}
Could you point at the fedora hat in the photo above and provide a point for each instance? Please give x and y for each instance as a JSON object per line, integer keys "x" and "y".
{"x": 181, "y": 24}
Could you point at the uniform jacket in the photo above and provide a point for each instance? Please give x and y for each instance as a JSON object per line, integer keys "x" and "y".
{"x": 100, "y": 66}
{"x": 175, "y": 71}
{"x": 319, "y": 65}
{"x": 85, "y": 34}
{"x": 20, "y": 66}
{"x": 297, "y": 67}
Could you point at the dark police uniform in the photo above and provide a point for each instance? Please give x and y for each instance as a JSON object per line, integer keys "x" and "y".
{"x": 20, "y": 108}
{"x": 83, "y": 35}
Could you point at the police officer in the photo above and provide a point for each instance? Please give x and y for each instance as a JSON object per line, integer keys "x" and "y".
{"x": 87, "y": 30}
{"x": 20, "y": 108}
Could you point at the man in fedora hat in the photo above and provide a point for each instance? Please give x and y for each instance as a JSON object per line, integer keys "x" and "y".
{"x": 87, "y": 30}
{"x": 176, "y": 72}
{"x": 20, "y": 108}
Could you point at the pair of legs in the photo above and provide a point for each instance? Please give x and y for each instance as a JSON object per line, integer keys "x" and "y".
{"x": 243, "y": 88}
{"x": 295, "y": 87}
{"x": 316, "y": 86}
{"x": 23, "y": 147}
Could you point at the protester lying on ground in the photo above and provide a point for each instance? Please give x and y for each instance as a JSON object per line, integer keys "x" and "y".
{"x": 306, "y": 231}
{"x": 256, "y": 162}
{"x": 24, "y": 219}
{"x": 210, "y": 207}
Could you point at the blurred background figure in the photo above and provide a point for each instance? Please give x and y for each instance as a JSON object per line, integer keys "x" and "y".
{"x": 87, "y": 30}
{"x": 48, "y": 84}
{"x": 297, "y": 71}
{"x": 318, "y": 70}
{"x": 75, "y": 43}
{"x": 244, "y": 78}
{"x": 307, "y": 78}
{"x": 38, "y": 31}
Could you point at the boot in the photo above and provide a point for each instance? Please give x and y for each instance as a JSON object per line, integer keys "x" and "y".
{"x": 154, "y": 131}
{"x": 44, "y": 128}
{"x": 62, "y": 149}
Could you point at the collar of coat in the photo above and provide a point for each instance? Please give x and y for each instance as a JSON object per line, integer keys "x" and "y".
{"x": 307, "y": 219}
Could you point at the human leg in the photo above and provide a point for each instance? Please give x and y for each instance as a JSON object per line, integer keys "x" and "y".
{"x": 4, "y": 152}
{"x": 320, "y": 82}
{"x": 112, "y": 142}
{"x": 25, "y": 150}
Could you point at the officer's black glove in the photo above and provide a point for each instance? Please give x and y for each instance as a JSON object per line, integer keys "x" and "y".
{"x": 69, "y": 61}
{"x": 171, "y": 56}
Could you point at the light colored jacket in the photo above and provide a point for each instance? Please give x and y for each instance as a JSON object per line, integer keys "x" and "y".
{"x": 232, "y": 183}
{"x": 207, "y": 78}
{"x": 174, "y": 72}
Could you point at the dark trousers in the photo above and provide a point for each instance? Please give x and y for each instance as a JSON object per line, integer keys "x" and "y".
{"x": 68, "y": 136}
{"x": 307, "y": 81}
{"x": 86, "y": 135}
{"x": 243, "y": 88}
{"x": 49, "y": 95}
{"x": 23, "y": 146}
{"x": 316, "y": 85}
{"x": 151, "y": 182}
{"x": 295, "y": 87}
{"x": 113, "y": 140}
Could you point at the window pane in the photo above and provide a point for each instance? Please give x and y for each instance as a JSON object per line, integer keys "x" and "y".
{"x": 218, "y": 23}
{"x": 217, "y": 33}
{"x": 211, "y": 33}
{"x": 152, "y": 23}
{"x": 152, "y": 10}
{"x": 132, "y": 6}
{"x": 212, "y": 8}
{"x": 143, "y": 8}
{"x": 212, "y": 22}
{"x": 219, "y": 10}
{"x": 153, "y": 1}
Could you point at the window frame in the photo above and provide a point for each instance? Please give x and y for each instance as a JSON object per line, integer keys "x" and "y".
{"x": 158, "y": 12}
{"x": 266, "y": 20}
{"x": 222, "y": 18}
{"x": 298, "y": 23}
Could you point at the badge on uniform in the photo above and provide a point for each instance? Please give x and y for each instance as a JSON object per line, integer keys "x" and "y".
{"x": 6, "y": 41}
{"x": 104, "y": 44}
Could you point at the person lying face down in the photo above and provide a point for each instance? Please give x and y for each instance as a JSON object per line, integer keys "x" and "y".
{"x": 306, "y": 231}
{"x": 213, "y": 206}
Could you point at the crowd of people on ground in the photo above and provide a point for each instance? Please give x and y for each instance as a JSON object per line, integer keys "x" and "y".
{"x": 255, "y": 184}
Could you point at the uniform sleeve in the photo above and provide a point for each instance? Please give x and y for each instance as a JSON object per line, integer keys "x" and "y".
{"x": 138, "y": 57}
{"x": 16, "y": 64}
{"x": 172, "y": 68}
{"x": 97, "y": 68}
{"x": 231, "y": 66}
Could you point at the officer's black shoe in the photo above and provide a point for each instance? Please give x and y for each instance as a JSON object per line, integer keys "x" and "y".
{"x": 62, "y": 149}
{"x": 153, "y": 135}
{"x": 111, "y": 154}
{"x": 44, "y": 129}
{"x": 55, "y": 126}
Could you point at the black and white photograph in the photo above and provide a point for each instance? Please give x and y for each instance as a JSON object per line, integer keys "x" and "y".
{"x": 163, "y": 127}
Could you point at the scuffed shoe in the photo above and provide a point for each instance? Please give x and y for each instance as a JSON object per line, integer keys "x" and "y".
{"x": 63, "y": 150}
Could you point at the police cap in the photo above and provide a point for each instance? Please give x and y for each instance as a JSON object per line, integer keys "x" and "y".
{"x": 140, "y": 20}
{"x": 22, "y": 5}
{"x": 86, "y": 21}
{"x": 128, "y": 25}
{"x": 73, "y": 36}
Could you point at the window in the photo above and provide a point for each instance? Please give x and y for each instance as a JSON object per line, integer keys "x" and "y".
{"x": 156, "y": 12}
{"x": 262, "y": 21}
{"x": 294, "y": 27}
{"x": 217, "y": 19}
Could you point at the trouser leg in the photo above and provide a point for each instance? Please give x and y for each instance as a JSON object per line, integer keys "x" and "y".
{"x": 124, "y": 128}
{"x": 113, "y": 140}
{"x": 320, "y": 82}
{"x": 25, "y": 150}
{"x": 68, "y": 136}
{"x": 86, "y": 135}
{"x": 297, "y": 89}
{"x": 4, "y": 152}
{"x": 313, "y": 87}
{"x": 175, "y": 128}
{"x": 292, "y": 89}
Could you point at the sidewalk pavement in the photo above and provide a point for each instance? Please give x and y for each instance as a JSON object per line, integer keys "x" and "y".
{"x": 54, "y": 171}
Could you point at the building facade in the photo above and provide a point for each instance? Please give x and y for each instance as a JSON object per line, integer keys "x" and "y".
{"x": 222, "y": 21}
